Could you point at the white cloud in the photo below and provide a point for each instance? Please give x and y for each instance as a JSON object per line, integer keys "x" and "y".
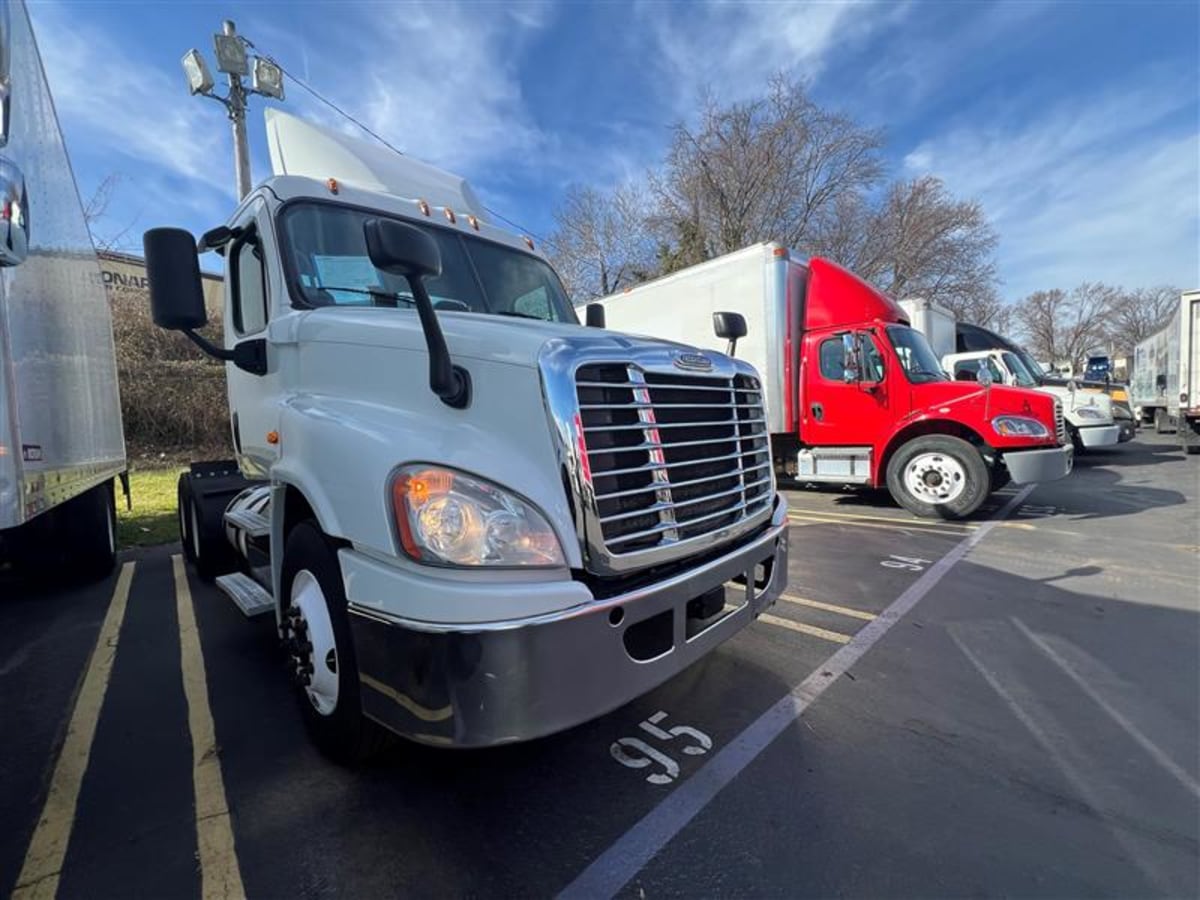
{"x": 1105, "y": 188}
{"x": 114, "y": 100}
{"x": 733, "y": 48}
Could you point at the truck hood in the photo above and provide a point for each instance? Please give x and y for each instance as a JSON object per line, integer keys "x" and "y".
{"x": 509, "y": 340}
{"x": 937, "y": 397}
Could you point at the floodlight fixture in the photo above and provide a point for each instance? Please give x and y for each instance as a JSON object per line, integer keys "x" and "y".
{"x": 231, "y": 54}
{"x": 267, "y": 79}
{"x": 199, "y": 78}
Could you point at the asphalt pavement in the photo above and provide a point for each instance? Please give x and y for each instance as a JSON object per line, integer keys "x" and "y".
{"x": 1004, "y": 706}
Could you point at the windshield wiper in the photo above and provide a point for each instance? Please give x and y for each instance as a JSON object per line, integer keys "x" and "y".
{"x": 387, "y": 298}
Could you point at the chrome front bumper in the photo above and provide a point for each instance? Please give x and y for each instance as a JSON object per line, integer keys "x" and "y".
{"x": 1100, "y": 435}
{"x": 479, "y": 685}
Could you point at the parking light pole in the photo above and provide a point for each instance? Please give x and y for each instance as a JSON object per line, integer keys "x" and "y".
{"x": 232, "y": 60}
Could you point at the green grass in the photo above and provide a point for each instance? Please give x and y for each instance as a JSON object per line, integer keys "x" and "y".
{"x": 153, "y": 519}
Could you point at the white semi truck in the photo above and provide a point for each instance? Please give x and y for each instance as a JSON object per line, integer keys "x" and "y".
{"x": 475, "y": 521}
{"x": 1166, "y": 375}
{"x": 61, "y": 443}
{"x": 1088, "y": 414}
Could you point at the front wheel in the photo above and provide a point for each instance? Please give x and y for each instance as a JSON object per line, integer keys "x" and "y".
{"x": 938, "y": 476}
{"x": 321, "y": 650}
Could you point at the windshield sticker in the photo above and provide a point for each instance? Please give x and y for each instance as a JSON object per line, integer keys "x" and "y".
{"x": 353, "y": 274}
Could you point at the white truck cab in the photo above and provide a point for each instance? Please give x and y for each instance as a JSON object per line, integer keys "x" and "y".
{"x": 1088, "y": 414}
{"x": 476, "y": 521}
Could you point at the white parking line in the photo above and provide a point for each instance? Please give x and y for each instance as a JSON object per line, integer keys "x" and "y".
{"x": 1101, "y": 675}
{"x": 48, "y": 846}
{"x": 609, "y": 872}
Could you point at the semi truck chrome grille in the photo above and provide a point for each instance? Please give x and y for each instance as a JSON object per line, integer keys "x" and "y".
{"x": 1060, "y": 426}
{"x": 671, "y": 457}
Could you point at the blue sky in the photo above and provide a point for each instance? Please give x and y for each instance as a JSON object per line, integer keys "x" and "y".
{"x": 1076, "y": 124}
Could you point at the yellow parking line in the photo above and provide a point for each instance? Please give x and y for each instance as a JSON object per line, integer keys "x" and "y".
{"x": 897, "y": 524}
{"x": 812, "y": 630}
{"x": 896, "y": 520}
{"x": 220, "y": 875}
{"x": 48, "y": 846}
{"x": 829, "y": 607}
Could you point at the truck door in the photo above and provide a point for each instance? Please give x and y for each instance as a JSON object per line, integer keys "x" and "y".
{"x": 253, "y": 399}
{"x": 840, "y": 413}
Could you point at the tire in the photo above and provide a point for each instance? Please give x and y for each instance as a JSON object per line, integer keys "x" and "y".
{"x": 1076, "y": 440}
{"x": 183, "y": 495}
{"x": 938, "y": 476}
{"x": 320, "y": 649}
{"x": 202, "y": 531}
{"x": 92, "y": 519}
{"x": 1162, "y": 422}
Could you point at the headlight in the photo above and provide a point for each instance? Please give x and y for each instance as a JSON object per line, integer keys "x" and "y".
{"x": 447, "y": 518}
{"x": 1090, "y": 412}
{"x": 1019, "y": 426}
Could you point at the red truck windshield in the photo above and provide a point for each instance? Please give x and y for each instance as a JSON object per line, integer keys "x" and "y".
{"x": 916, "y": 356}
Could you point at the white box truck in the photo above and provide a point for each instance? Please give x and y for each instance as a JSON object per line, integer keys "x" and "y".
{"x": 475, "y": 521}
{"x": 1166, "y": 375}
{"x": 61, "y": 442}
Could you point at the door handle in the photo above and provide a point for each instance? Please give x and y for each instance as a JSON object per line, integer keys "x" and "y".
{"x": 818, "y": 411}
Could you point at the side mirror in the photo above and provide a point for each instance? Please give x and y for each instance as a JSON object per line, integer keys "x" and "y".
{"x": 729, "y": 326}
{"x": 406, "y": 250}
{"x": 983, "y": 375}
{"x": 595, "y": 315}
{"x": 402, "y": 249}
{"x": 851, "y": 372}
{"x": 173, "y": 273}
{"x": 14, "y": 215}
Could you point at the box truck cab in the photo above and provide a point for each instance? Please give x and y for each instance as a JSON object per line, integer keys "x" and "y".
{"x": 475, "y": 521}
{"x": 855, "y": 395}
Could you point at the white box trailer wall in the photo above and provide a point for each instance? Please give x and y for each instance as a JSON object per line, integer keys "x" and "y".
{"x": 680, "y": 306}
{"x": 1165, "y": 383}
{"x": 61, "y": 440}
{"x": 935, "y": 322}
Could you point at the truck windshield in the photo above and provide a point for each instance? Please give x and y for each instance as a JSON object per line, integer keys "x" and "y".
{"x": 329, "y": 266}
{"x": 916, "y": 356}
{"x": 1020, "y": 371}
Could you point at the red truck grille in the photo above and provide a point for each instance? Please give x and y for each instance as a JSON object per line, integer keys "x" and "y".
{"x": 672, "y": 457}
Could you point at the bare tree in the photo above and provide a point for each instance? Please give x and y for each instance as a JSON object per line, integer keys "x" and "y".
{"x": 1066, "y": 326}
{"x": 760, "y": 170}
{"x": 1135, "y": 315}
{"x": 601, "y": 244}
{"x": 95, "y": 212}
{"x": 922, "y": 242}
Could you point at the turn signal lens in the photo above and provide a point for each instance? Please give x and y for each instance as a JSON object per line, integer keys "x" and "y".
{"x": 447, "y": 518}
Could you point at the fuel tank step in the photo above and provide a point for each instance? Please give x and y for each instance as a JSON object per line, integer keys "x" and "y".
{"x": 250, "y": 596}
{"x": 255, "y": 524}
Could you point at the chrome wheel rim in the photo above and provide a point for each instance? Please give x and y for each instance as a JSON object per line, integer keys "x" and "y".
{"x": 314, "y": 650}
{"x": 935, "y": 478}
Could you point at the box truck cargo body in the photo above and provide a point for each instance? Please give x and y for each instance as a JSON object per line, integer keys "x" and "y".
{"x": 854, "y": 394}
{"x": 61, "y": 442}
{"x": 1165, "y": 381}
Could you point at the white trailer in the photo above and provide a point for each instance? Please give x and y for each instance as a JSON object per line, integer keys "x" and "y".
{"x": 61, "y": 441}
{"x": 1165, "y": 381}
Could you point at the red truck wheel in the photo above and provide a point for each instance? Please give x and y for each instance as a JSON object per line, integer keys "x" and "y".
{"x": 938, "y": 477}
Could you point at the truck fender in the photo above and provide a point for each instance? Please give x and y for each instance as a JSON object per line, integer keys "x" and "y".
{"x": 922, "y": 427}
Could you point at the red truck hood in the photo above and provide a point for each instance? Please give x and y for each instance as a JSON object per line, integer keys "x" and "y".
{"x": 967, "y": 400}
